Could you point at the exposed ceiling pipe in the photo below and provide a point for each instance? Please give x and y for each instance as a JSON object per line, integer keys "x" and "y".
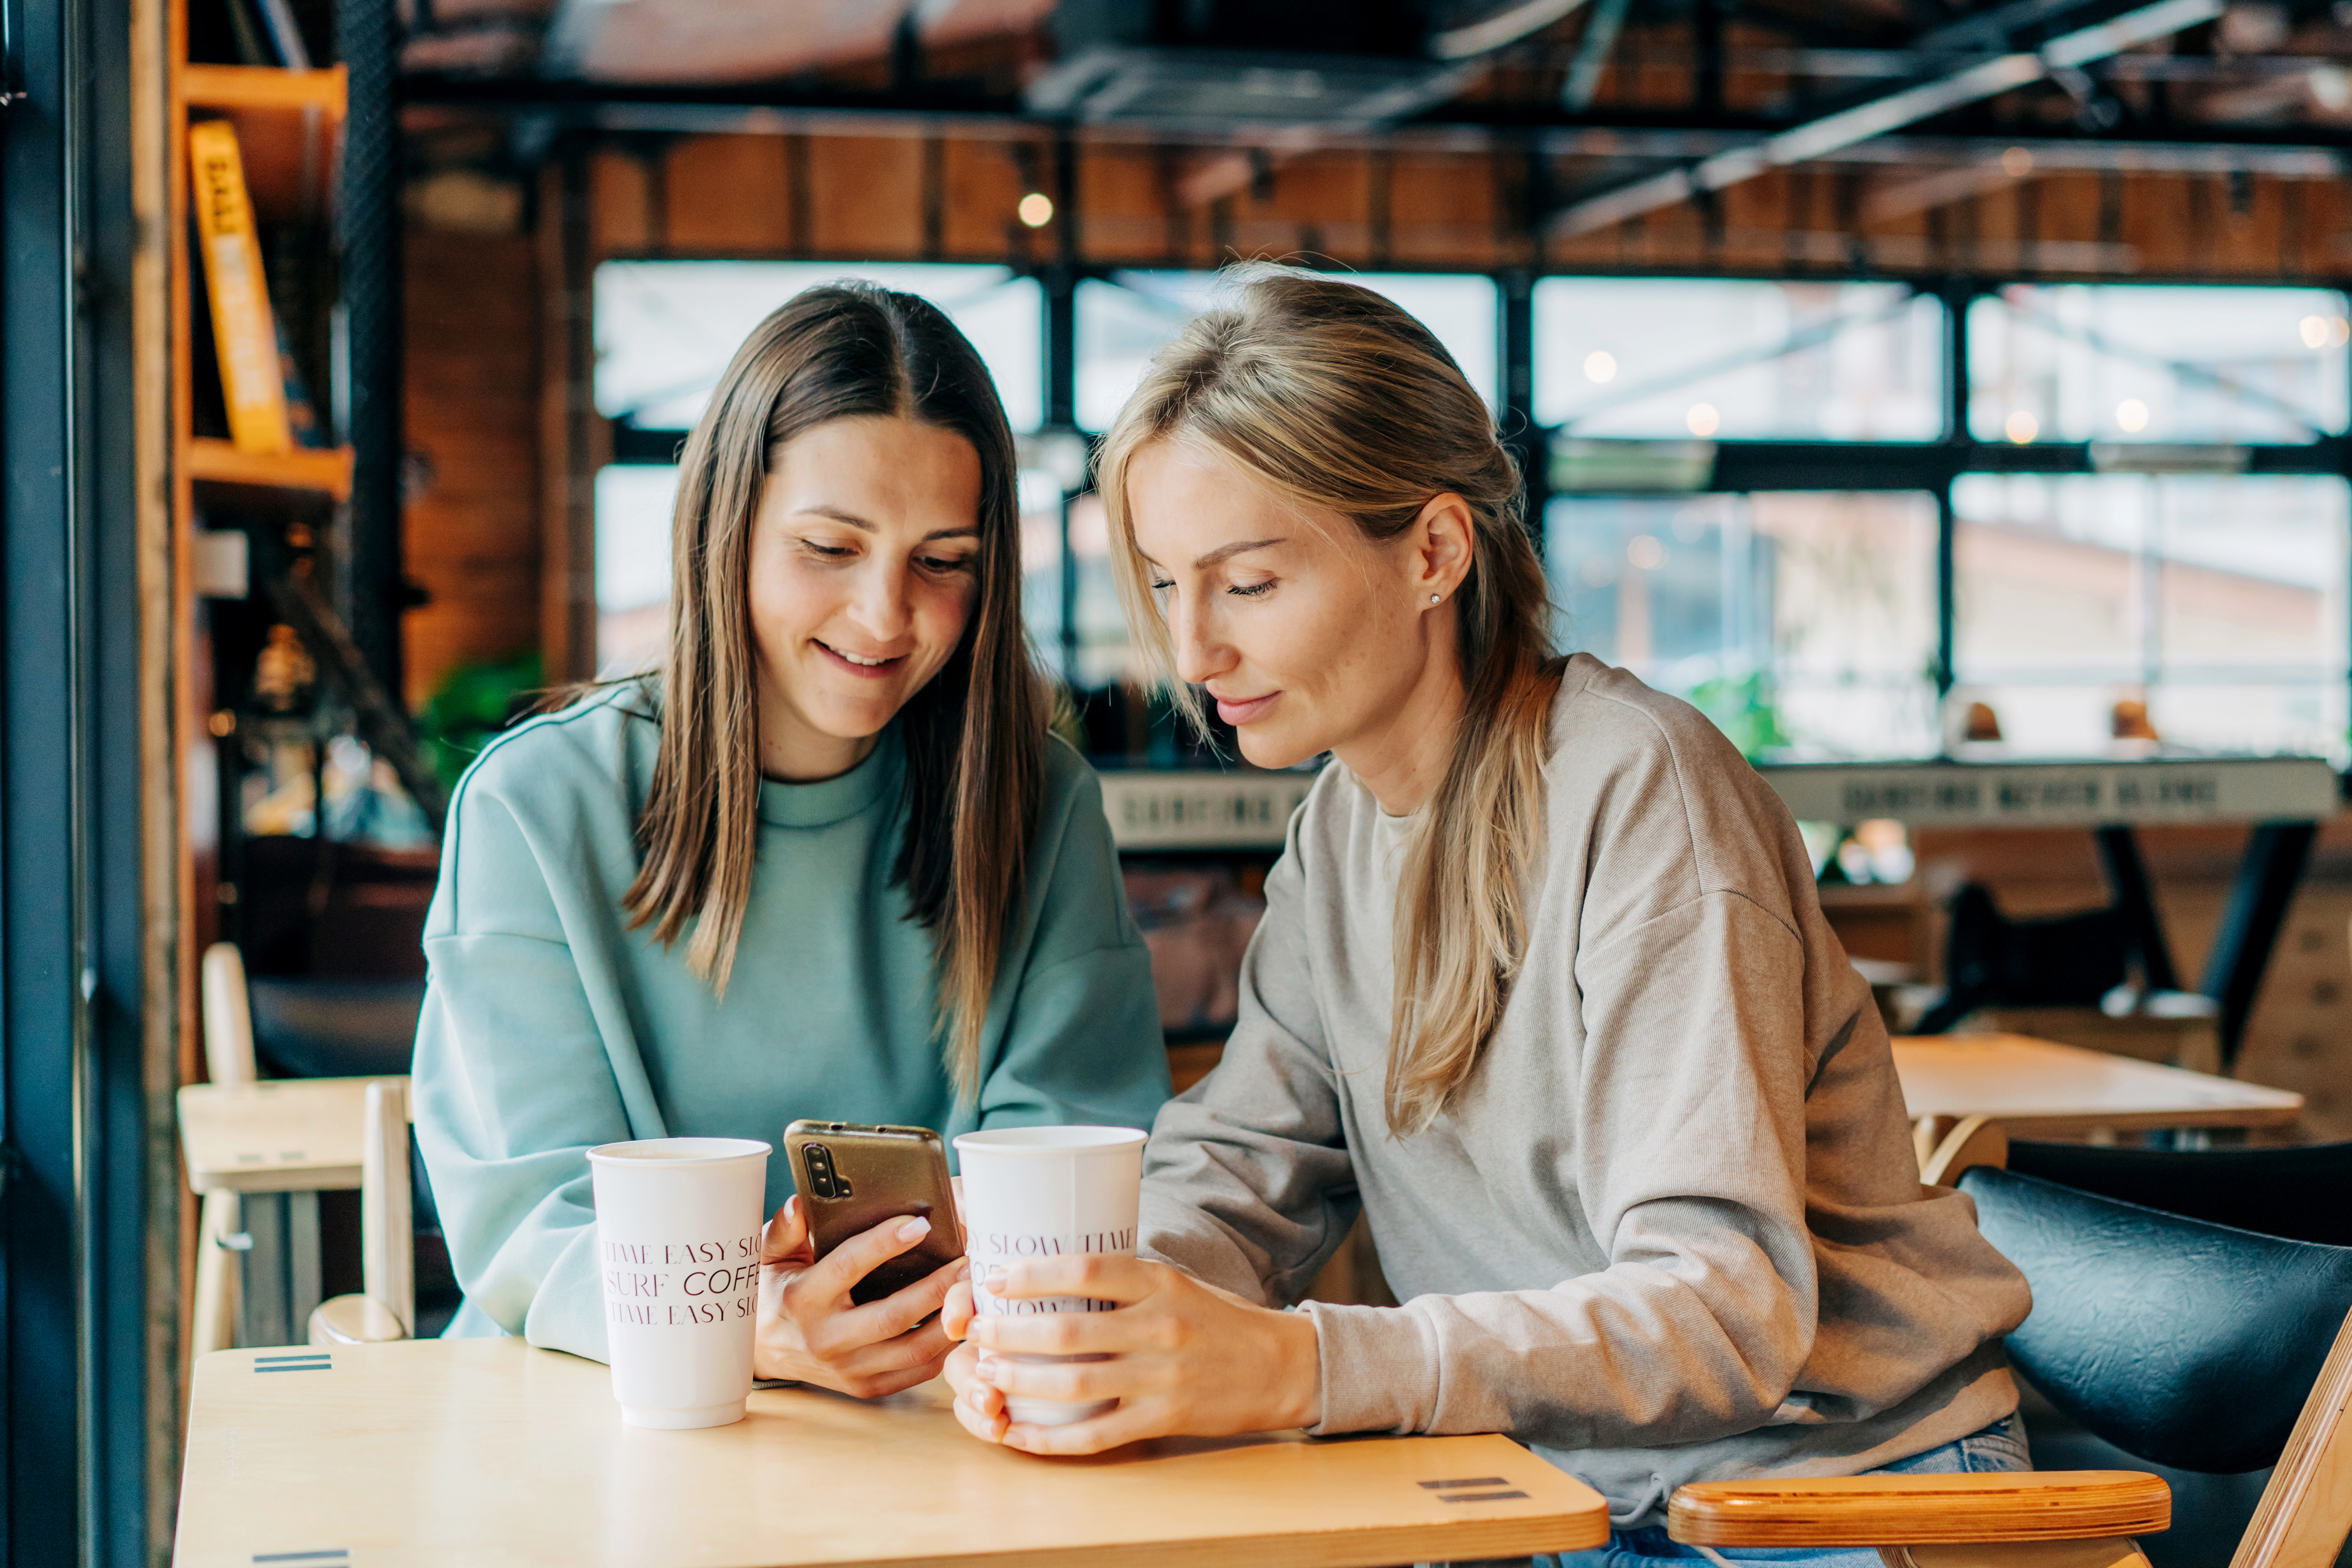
{"x": 1506, "y": 27}
{"x": 1924, "y": 101}
{"x": 1592, "y": 52}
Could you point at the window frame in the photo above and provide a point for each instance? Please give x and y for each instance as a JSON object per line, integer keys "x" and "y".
{"x": 1739, "y": 466}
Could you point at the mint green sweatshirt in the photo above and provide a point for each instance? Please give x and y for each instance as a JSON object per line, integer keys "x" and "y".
{"x": 550, "y": 1028}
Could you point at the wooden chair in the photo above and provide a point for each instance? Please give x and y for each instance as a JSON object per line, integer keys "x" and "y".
{"x": 385, "y": 1307}
{"x": 2182, "y": 1342}
{"x": 228, "y": 1060}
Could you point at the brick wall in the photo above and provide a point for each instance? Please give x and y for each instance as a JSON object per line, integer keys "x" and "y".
{"x": 471, "y": 530}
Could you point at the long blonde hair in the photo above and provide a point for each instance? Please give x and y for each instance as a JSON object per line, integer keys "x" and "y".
{"x": 974, "y": 734}
{"x": 1336, "y": 400}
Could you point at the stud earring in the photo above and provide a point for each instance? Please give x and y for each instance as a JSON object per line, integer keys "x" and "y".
{"x": 1435, "y": 597}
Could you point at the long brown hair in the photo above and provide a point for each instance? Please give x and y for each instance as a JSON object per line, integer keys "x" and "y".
{"x": 1336, "y": 399}
{"x": 974, "y": 735}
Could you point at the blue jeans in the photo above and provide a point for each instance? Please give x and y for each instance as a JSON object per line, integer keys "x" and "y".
{"x": 2000, "y": 1446}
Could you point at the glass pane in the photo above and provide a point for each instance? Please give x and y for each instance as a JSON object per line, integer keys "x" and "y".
{"x": 2218, "y": 603}
{"x": 633, "y": 507}
{"x": 1122, "y": 323}
{"x": 1105, "y": 656}
{"x": 1678, "y": 357}
{"x": 2142, "y": 362}
{"x": 1041, "y": 563}
{"x": 1803, "y": 623}
{"x": 665, "y": 330}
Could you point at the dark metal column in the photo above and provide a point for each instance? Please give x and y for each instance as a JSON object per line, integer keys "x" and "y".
{"x": 1061, "y": 284}
{"x": 366, "y": 37}
{"x": 1515, "y": 291}
{"x": 73, "y": 1349}
{"x": 2120, "y": 850}
{"x": 2265, "y": 885}
{"x": 1956, "y": 440}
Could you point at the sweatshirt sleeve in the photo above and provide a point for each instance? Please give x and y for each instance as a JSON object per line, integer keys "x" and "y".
{"x": 1081, "y": 1043}
{"x": 1248, "y": 1183}
{"x": 1688, "y": 1162}
{"x": 513, "y": 1085}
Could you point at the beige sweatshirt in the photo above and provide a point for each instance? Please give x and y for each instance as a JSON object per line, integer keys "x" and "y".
{"x": 1672, "y": 1228}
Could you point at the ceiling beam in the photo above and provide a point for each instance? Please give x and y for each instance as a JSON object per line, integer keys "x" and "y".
{"x": 1876, "y": 116}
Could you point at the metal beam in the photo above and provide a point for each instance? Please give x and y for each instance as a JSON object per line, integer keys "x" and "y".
{"x": 1592, "y": 52}
{"x": 1876, "y": 117}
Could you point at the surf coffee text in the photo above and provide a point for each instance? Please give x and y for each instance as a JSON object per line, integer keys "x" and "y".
{"x": 681, "y": 1283}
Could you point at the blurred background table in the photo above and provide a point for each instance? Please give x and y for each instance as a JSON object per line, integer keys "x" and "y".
{"x": 433, "y": 1452}
{"x": 2038, "y": 1089}
{"x": 278, "y": 1143}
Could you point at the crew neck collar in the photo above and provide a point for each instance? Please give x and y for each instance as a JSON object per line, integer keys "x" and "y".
{"x": 841, "y": 797}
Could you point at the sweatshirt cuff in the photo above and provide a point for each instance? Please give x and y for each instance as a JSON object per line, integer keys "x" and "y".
{"x": 1378, "y": 1366}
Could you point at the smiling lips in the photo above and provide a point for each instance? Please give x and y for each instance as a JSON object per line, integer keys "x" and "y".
{"x": 1240, "y": 710}
{"x": 868, "y": 668}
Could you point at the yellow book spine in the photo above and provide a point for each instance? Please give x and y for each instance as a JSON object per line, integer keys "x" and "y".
{"x": 243, "y": 330}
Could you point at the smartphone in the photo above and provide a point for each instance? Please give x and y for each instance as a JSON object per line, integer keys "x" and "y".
{"x": 851, "y": 1178}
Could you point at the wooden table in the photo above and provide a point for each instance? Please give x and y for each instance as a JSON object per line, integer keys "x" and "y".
{"x": 279, "y": 1144}
{"x": 486, "y": 1452}
{"x": 2038, "y": 1089}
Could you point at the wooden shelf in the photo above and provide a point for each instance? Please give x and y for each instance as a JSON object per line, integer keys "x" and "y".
{"x": 265, "y": 88}
{"x": 289, "y": 130}
{"x": 324, "y": 472}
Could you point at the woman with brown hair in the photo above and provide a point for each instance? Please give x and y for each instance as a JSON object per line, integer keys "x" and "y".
{"x": 1543, "y": 989}
{"x": 827, "y": 863}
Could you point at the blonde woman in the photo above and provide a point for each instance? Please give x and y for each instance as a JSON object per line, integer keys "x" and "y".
{"x": 1543, "y": 988}
{"x": 827, "y": 863}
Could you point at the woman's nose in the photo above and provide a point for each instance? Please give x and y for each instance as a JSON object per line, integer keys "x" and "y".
{"x": 1199, "y": 655}
{"x": 878, "y": 608}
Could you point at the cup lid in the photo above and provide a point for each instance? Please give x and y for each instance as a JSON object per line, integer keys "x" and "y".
{"x": 644, "y": 1152}
{"x": 1048, "y": 1140}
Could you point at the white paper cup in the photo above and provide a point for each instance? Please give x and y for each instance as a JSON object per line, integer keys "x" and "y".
{"x": 678, "y": 1241}
{"x": 1047, "y": 1192}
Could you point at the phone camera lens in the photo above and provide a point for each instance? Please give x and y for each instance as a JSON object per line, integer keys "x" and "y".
{"x": 820, "y": 1175}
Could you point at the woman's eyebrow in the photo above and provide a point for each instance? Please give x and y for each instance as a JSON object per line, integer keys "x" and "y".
{"x": 1227, "y": 551}
{"x": 852, "y": 520}
{"x": 835, "y": 512}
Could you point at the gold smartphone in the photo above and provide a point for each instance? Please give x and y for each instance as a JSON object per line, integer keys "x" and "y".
{"x": 851, "y": 1178}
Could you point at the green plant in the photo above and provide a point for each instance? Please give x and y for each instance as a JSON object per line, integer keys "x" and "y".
{"x": 474, "y": 702}
{"x": 1744, "y": 707}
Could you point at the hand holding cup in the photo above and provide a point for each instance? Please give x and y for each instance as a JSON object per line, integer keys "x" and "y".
{"x": 1172, "y": 1356}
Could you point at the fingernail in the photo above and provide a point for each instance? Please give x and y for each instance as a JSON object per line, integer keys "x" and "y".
{"x": 964, "y": 1272}
{"x": 915, "y": 1229}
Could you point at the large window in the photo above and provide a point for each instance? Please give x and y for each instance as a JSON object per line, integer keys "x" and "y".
{"x": 665, "y": 330}
{"x": 2205, "y": 604}
{"x": 1720, "y": 357}
{"x": 1803, "y": 624}
{"x": 1125, "y": 320}
{"x": 2139, "y": 362}
{"x": 2215, "y": 602}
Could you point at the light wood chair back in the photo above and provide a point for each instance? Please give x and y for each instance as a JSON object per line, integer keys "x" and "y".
{"x": 2306, "y": 1512}
{"x": 220, "y": 1236}
{"x": 387, "y": 1307}
{"x": 1971, "y": 1141}
{"x": 228, "y": 1060}
{"x": 229, "y": 1017}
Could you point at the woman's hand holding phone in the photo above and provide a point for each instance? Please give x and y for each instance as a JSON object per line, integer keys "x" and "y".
{"x": 1184, "y": 1357}
{"x": 811, "y": 1332}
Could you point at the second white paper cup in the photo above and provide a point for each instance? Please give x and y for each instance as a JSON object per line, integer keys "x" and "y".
{"x": 677, "y": 1243}
{"x": 1048, "y": 1191}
